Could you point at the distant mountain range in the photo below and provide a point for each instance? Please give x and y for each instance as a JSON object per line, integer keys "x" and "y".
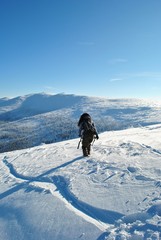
{"x": 31, "y": 120}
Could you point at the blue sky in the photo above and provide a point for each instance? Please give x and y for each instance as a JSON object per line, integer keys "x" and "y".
{"x": 108, "y": 48}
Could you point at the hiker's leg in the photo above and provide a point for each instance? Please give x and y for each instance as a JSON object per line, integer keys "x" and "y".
{"x": 89, "y": 149}
{"x": 85, "y": 147}
{"x": 90, "y": 139}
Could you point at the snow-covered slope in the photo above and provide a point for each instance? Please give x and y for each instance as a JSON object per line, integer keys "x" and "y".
{"x": 30, "y": 120}
{"x": 51, "y": 192}
{"x": 34, "y": 104}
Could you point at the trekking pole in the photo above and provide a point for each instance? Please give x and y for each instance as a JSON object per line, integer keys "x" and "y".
{"x": 79, "y": 143}
{"x": 93, "y": 141}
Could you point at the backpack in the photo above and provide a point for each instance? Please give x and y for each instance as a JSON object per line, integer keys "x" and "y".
{"x": 84, "y": 117}
{"x": 87, "y": 128}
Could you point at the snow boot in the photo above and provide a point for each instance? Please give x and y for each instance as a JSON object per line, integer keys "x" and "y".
{"x": 85, "y": 151}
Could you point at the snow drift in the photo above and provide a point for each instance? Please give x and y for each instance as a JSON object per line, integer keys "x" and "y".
{"x": 52, "y": 192}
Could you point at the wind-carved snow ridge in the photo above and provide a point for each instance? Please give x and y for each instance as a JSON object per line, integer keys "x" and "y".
{"x": 115, "y": 194}
{"x": 40, "y": 178}
{"x": 25, "y": 184}
{"x": 99, "y": 217}
{"x": 153, "y": 150}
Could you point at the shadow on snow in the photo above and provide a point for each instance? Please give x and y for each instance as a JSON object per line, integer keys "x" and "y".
{"x": 40, "y": 178}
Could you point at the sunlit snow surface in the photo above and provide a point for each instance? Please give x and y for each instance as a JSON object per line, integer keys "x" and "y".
{"x": 51, "y": 192}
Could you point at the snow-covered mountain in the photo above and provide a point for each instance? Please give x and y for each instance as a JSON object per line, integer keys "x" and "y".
{"x": 51, "y": 192}
{"x": 30, "y": 120}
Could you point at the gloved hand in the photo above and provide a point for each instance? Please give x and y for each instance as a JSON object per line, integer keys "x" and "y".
{"x": 97, "y": 137}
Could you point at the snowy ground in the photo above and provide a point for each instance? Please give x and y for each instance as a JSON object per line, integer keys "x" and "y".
{"x": 51, "y": 192}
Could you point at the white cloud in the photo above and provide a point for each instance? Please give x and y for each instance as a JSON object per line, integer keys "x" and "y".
{"x": 152, "y": 75}
{"x": 117, "y": 60}
{"x": 115, "y": 79}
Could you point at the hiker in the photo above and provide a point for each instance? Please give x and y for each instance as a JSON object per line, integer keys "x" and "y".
{"x": 87, "y": 132}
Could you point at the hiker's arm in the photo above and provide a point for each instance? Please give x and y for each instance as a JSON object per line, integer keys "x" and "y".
{"x": 97, "y": 137}
{"x": 80, "y": 130}
{"x": 96, "y": 133}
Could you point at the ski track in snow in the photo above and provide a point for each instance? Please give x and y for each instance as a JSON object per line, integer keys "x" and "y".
{"x": 107, "y": 221}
